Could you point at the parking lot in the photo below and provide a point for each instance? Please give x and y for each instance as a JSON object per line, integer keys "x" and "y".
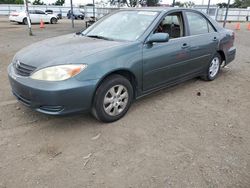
{"x": 196, "y": 134}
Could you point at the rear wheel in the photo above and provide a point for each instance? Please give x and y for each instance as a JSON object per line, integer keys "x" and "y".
{"x": 53, "y": 20}
{"x": 25, "y": 21}
{"x": 213, "y": 68}
{"x": 112, "y": 99}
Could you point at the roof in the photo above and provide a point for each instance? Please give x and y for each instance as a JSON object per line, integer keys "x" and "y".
{"x": 158, "y": 9}
{"x": 151, "y": 8}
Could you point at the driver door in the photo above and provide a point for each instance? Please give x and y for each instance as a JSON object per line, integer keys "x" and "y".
{"x": 168, "y": 61}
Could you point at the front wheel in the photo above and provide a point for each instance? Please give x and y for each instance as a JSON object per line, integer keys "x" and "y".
{"x": 112, "y": 99}
{"x": 213, "y": 68}
{"x": 53, "y": 20}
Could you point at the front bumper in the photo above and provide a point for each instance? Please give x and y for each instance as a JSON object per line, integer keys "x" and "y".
{"x": 53, "y": 98}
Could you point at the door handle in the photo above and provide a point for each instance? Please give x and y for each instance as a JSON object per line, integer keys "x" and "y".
{"x": 185, "y": 45}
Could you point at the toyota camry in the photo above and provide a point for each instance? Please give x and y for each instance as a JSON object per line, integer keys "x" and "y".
{"x": 122, "y": 57}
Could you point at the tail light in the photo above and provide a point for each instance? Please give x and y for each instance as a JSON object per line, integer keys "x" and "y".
{"x": 14, "y": 14}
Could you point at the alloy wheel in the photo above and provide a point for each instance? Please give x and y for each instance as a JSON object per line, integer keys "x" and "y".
{"x": 214, "y": 67}
{"x": 115, "y": 100}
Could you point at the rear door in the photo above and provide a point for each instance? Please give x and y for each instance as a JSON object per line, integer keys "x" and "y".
{"x": 204, "y": 39}
{"x": 40, "y": 15}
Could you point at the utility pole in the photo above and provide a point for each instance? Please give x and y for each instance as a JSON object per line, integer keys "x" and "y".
{"x": 225, "y": 19}
{"x": 173, "y": 3}
{"x": 28, "y": 16}
{"x": 94, "y": 10}
{"x": 208, "y": 5}
{"x": 71, "y": 14}
{"x": 119, "y": 4}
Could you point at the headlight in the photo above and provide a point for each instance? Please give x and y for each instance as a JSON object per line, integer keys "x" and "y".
{"x": 58, "y": 73}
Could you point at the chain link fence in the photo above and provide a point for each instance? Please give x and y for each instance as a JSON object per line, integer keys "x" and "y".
{"x": 218, "y": 14}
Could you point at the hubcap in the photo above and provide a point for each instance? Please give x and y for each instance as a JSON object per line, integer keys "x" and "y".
{"x": 115, "y": 100}
{"x": 214, "y": 67}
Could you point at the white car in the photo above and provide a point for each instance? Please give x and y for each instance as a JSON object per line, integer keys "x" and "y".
{"x": 35, "y": 17}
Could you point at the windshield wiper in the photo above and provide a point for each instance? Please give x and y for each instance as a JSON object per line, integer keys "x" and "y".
{"x": 99, "y": 37}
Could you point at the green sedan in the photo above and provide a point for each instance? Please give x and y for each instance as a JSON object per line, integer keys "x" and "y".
{"x": 122, "y": 57}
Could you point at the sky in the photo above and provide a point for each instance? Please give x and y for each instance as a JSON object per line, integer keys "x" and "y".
{"x": 197, "y": 2}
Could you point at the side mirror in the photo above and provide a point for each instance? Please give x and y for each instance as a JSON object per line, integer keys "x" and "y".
{"x": 158, "y": 37}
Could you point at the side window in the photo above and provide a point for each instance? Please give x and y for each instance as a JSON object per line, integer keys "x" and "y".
{"x": 198, "y": 24}
{"x": 39, "y": 12}
{"x": 31, "y": 11}
{"x": 172, "y": 24}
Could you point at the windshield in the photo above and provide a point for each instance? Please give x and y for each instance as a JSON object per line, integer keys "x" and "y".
{"x": 77, "y": 12}
{"x": 123, "y": 25}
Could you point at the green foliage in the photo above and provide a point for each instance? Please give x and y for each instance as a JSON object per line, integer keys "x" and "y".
{"x": 152, "y": 2}
{"x": 187, "y": 4}
{"x": 38, "y": 2}
{"x": 179, "y": 4}
{"x": 132, "y": 3}
{"x": 19, "y": 2}
{"x": 222, "y": 5}
{"x": 241, "y": 3}
{"x": 7, "y": 2}
{"x": 59, "y": 2}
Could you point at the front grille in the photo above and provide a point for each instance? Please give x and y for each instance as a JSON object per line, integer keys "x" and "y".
{"x": 23, "y": 69}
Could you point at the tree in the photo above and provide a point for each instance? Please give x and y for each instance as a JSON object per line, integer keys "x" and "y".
{"x": 132, "y": 3}
{"x": 151, "y": 3}
{"x": 11, "y": 1}
{"x": 222, "y": 5}
{"x": 7, "y": 2}
{"x": 59, "y": 2}
{"x": 19, "y": 2}
{"x": 241, "y": 3}
{"x": 178, "y": 4}
{"x": 38, "y": 2}
{"x": 189, "y": 4}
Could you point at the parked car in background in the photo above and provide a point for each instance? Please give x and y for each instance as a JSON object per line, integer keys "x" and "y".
{"x": 59, "y": 15}
{"x": 49, "y": 11}
{"x": 35, "y": 17}
{"x": 77, "y": 14}
{"x": 120, "y": 58}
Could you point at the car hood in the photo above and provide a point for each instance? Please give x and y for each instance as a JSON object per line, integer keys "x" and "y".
{"x": 65, "y": 49}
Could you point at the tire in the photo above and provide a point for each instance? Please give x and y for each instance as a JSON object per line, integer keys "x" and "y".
{"x": 213, "y": 68}
{"x": 112, "y": 99}
{"x": 25, "y": 21}
{"x": 53, "y": 20}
